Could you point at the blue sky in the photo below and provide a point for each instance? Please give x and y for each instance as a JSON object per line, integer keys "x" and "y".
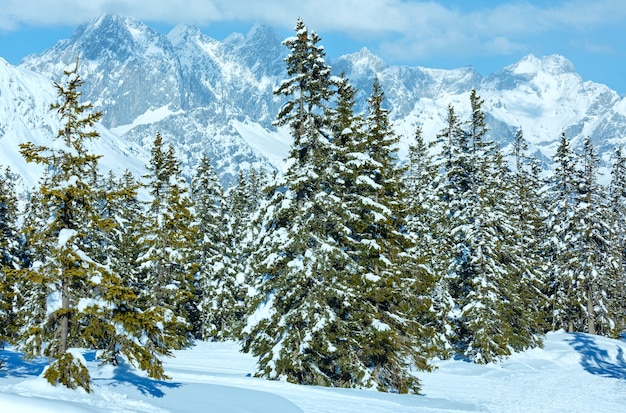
{"x": 486, "y": 34}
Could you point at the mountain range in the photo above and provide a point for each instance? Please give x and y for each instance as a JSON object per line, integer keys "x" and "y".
{"x": 215, "y": 97}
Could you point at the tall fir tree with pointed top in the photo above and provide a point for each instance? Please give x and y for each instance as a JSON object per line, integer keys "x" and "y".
{"x": 72, "y": 297}
{"x": 396, "y": 336}
{"x": 219, "y": 295}
{"x": 298, "y": 329}
{"x": 170, "y": 238}
{"x": 315, "y": 323}
{"x": 489, "y": 315}
{"x": 617, "y": 212}
{"x": 10, "y": 259}
{"x": 530, "y": 235}
{"x": 424, "y": 221}
{"x": 563, "y": 227}
{"x": 599, "y": 261}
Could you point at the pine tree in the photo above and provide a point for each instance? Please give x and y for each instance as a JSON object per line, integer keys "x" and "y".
{"x": 563, "y": 229}
{"x": 530, "y": 233}
{"x": 170, "y": 238}
{"x": 70, "y": 297}
{"x": 483, "y": 283}
{"x": 9, "y": 253}
{"x": 220, "y": 296}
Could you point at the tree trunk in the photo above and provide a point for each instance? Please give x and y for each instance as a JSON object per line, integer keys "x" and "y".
{"x": 591, "y": 317}
{"x": 64, "y": 322}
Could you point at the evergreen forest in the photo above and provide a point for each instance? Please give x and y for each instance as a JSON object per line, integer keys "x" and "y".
{"x": 354, "y": 268}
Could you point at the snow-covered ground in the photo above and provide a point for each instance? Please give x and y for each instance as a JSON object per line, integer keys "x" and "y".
{"x": 572, "y": 373}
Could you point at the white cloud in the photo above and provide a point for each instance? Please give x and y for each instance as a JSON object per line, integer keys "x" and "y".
{"x": 403, "y": 27}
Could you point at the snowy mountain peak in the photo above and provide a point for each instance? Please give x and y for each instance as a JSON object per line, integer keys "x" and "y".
{"x": 182, "y": 36}
{"x": 553, "y": 65}
{"x": 215, "y": 97}
{"x": 363, "y": 62}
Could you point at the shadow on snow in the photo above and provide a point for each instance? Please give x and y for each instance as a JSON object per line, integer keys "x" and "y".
{"x": 596, "y": 360}
{"x": 14, "y": 365}
{"x": 124, "y": 373}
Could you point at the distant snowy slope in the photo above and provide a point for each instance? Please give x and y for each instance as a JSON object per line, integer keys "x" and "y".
{"x": 25, "y": 116}
{"x": 215, "y": 97}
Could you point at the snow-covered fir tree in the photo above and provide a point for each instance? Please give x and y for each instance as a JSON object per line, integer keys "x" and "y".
{"x": 170, "y": 238}
{"x": 563, "y": 229}
{"x": 219, "y": 295}
{"x": 584, "y": 261}
{"x": 298, "y": 329}
{"x": 530, "y": 235}
{"x": 70, "y": 296}
{"x": 481, "y": 276}
{"x": 316, "y": 322}
{"x": 617, "y": 206}
{"x": 599, "y": 259}
{"x": 396, "y": 287}
{"x": 10, "y": 259}
{"x": 425, "y": 210}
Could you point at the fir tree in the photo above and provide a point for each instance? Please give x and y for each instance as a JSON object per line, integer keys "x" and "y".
{"x": 617, "y": 211}
{"x": 170, "y": 238}
{"x": 298, "y": 264}
{"x": 425, "y": 209}
{"x": 528, "y": 211}
{"x": 70, "y": 296}
{"x": 378, "y": 208}
{"x": 9, "y": 253}
{"x": 599, "y": 259}
{"x": 563, "y": 227}
{"x": 490, "y": 318}
{"x": 219, "y": 295}
{"x": 315, "y": 322}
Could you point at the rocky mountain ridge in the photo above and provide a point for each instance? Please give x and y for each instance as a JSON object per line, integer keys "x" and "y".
{"x": 215, "y": 97}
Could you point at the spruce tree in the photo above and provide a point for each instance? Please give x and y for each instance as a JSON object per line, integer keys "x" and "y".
{"x": 170, "y": 238}
{"x": 396, "y": 287}
{"x": 71, "y": 297}
{"x": 9, "y": 254}
{"x": 219, "y": 295}
{"x": 617, "y": 212}
{"x": 425, "y": 223}
{"x": 563, "y": 227}
{"x": 528, "y": 212}
{"x": 299, "y": 328}
{"x": 599, "y": 261}
{"x": 488, "y": 308}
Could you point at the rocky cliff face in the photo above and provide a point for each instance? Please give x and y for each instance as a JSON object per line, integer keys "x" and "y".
{"x": 215, "y": 97}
